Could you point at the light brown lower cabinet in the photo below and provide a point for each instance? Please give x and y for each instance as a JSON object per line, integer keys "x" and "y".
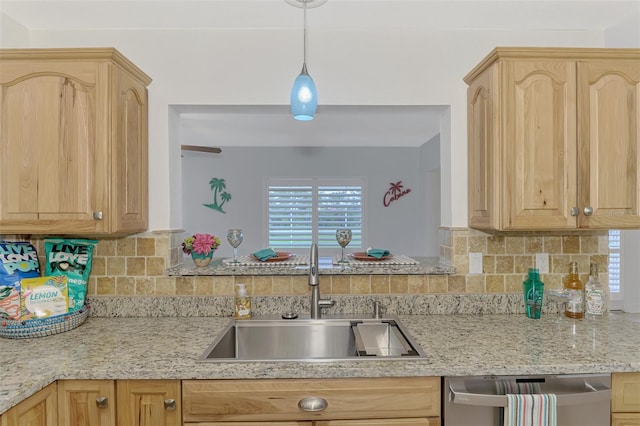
{"x": 411, "y": 401}
{"x": 94, "y": 403}
{"x": 625, "y": 399}
{"x": 432, "y": 421}
{"x": 625, "y": 419}
{"x": 367, "y": 422}
{"x": 148, "y": 403}
{"x": 86, "y": 403}
{"x": 252, "y": 423}
{"x": 40, "y": 409}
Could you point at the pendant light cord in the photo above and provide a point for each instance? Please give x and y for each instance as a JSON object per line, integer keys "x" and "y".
{"x": 304, "y": 33}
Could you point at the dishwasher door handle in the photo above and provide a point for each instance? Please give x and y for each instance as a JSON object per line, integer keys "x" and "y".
{"x": 458, "y": 394}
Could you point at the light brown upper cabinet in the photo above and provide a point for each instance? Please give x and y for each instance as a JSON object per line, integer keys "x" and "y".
{"x": 553, "y": 139}
{"x": 73, "y": 142}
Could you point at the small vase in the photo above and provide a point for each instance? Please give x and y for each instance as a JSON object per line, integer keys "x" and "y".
{"x": 201, "y": 260}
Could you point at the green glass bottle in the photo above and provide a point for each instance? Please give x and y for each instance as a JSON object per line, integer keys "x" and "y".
{"x": 533, "y": 290}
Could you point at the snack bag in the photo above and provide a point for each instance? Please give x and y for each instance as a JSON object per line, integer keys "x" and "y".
{"x": 71, "y": 258}
{"x": 18, "y": 260}
{"x": 43, "y": 297}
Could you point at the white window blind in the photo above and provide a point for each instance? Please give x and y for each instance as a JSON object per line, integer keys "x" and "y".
{"x": 339, "y": 207}
{"x": 614, "y": 262}
{"x": 302, "y": 211}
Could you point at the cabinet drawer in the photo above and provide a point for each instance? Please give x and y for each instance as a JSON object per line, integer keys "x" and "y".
{"x": 250, "y": 424}
{"x": 625, "y": 419}
{"x": 434, "y": 421}
{"x": 258, "y": 400}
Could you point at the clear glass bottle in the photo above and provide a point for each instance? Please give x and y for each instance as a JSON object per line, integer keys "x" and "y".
{"x": 242, "y": 303}
{"x": 595, "y": 296}
{"x": 575, "y": 288}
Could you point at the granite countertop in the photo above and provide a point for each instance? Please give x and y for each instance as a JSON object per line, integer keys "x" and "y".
{"x": 456, "y": 345}
{"x": 424, "y": 265}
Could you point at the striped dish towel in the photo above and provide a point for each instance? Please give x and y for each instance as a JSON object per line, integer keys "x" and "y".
{"x": 531, "y": 410}
{"x": 505, "y": 387}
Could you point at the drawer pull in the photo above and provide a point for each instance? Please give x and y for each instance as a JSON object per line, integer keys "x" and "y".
{"x": 170, "y": 404}
{"x": 102, "y": 402}
{"x": 313, "y": 404}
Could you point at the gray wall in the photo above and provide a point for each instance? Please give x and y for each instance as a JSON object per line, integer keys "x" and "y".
{"x": 408, "y": 226}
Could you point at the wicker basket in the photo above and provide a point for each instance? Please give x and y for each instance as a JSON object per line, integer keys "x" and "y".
{"x": 43, "y": 327}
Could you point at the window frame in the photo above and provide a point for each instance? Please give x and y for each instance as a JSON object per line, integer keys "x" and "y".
{"x": 315, "y": 182}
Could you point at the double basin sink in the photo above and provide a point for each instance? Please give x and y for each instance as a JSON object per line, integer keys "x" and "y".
{"x": 323, "y": 339}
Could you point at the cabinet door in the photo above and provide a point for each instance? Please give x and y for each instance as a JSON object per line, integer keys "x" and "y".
{"x": 48, "y": 141}
{"x": 129, "y": 184}
{"x": 625, "y": 419}
{"x": 625, "y": 390}
{"x": 484, "y": 196}
{"x": 433, "y": 421}
{"x": 148, "y": 402}
{"x": 86, "y": 403}
{"x": 608, "y": 137}
{"x": 539, "y": 137}
{"x": 40, "y": 409}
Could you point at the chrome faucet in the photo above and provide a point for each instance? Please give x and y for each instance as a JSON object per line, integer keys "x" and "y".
{"x": 314, "y": 281}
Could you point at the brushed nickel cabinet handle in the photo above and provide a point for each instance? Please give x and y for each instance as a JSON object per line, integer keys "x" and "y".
{"x": 313, "y": 403}
{"x": 102, "y": 402}
{"x": 575, "y": 211}
{"x": 588, "y": 211}
{"x": 170, "y": 404}
{"x": 97, "y": 215}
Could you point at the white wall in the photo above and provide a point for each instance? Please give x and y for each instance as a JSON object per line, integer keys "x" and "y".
{"x": 626, "y": 34}
{"x": 350, "y": 67}
{"x": 12, "y": 33}
{"x": 630, "y": 270}
{"x": 400, "y": 227}
{"x": 431, "y": 183}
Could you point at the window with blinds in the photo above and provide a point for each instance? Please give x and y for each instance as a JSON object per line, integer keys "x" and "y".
{"x": 302, "y": 211}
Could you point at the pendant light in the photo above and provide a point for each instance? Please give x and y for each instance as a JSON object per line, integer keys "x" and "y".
{"x": 304, "y": 96}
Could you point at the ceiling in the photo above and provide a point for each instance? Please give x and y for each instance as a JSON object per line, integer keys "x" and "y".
{"x": 334, "y": 125}
{"x": 436, "y": 14}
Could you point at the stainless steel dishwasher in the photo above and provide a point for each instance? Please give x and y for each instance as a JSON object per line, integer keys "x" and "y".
{"x": 582, "y": 400}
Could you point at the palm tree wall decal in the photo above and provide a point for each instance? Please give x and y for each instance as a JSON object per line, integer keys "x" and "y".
{"x": 395, "y": 191}
{"x": 218, "y": 187}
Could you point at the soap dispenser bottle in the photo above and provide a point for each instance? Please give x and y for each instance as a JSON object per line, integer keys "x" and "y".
{"x": 242, "y": 303}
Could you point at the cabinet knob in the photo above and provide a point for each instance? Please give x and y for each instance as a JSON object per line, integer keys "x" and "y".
{"x": 575, "y": 211}
{"x": 102, "y": 402}
{"x": 313, "y": 403}
{"x": 170, "y": 404}
{"x": 97, "y": 215}
{"x": 588, "y": 211}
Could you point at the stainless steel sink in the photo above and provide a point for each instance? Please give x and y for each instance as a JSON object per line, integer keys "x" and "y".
{"x": 312, "y": 340}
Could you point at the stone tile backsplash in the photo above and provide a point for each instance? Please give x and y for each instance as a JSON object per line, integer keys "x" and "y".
{"x": 135, "y": 265}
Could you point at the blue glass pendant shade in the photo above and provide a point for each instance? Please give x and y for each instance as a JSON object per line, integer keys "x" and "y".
{"x": 304, "y": 96}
